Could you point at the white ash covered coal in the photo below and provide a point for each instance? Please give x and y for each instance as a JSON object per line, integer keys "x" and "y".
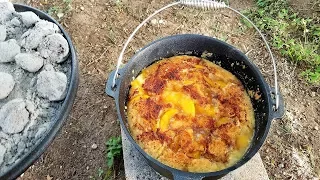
{"x": 6, "y": 84}
{"x": 31, "y": 62}
{"x": 34, "y": 78}
{"x": 52, "y": 85}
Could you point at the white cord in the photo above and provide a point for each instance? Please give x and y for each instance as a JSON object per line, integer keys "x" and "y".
{"x": 205, "y": 4}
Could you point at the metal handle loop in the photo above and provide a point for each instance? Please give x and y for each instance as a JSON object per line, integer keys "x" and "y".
{"x": 205, "y": 4}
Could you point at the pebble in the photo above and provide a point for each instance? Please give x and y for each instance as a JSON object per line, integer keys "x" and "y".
{"x": 29, "y": 18}
{"x": 81, "y": 8}
{"x": 14, "y": 116}
{"x": 3, "y": 33}
{"x": 6, "y": 84}
{"x": 316, "y": 128}
{"x": 29, "y": 62}
{"x": 161, "y": 21}
{"x": 55, "y": 48}
{"x": 154, "y": 21}
{"x": 313, "y": 94}
{"x": 8, "y": 50}
{"x": 94, "y": 146}
{"x": 52, "y": 85}
{"x": 60, "y": 15}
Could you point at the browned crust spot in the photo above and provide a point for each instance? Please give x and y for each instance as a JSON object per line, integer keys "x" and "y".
{"x": 193, "y": 92}
{"x": 149, "y": 109}
{"x": 154, "y": 84}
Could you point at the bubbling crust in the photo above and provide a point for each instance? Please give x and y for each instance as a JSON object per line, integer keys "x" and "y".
{"x": 190, "y": 114}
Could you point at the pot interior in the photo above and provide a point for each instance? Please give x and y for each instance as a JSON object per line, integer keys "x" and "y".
{"x": 218, "y": 52}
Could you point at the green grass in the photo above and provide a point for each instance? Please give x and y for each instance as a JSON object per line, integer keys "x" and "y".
{"x": 295, "y": 37}
{"x": 113, "y": 151}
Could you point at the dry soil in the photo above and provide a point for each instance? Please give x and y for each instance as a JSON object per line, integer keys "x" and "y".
{"x": 99, "y": 29}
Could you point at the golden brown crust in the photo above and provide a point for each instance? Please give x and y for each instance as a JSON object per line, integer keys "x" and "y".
{"x": 149, "y": 108}
{"x": 190, "y": 114}
{"x": 154, "y": 84}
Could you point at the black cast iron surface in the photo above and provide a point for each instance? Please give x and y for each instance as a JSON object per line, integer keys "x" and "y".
{"x": 218, "y": 52}
{"x": 28, "y": 159}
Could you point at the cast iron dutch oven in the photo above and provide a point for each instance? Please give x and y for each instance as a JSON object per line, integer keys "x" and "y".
{"x": 29, "y": 158}
{"x": 222, "y": 54}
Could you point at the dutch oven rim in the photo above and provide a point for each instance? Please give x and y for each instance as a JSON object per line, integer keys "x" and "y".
{"x": 40, "y": 147}
{"x": 178, "y": 174}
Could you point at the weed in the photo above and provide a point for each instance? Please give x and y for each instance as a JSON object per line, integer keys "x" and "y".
{"x": 53, "y": 10}
{"x": 113, "y": 151}
{"x": 294, "y": 37}
{"x": 60, "y": 9}
{"x": 67, "y": 1}
{"x": 312, "y": 76}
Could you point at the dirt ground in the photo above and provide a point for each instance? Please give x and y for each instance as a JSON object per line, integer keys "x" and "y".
{"x": 308, "y": 8}
{"x": 99, "y": 29}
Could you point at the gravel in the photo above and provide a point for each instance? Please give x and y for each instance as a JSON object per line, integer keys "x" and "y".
{"x": 6, "y": 84}
{"x": 33, "y": 81}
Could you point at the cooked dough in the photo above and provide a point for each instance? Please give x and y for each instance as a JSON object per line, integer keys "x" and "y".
{"x": 190, "y": 114}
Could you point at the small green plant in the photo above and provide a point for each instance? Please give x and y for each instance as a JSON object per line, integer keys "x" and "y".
{"x": 53, "y": 10}
{"x": 113, "y": 151}
{"x": 294, "y": 37}
{"x": 100, "y": 172}
{"x": 312, "y": 76}
{"x": 60, "y": 9}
